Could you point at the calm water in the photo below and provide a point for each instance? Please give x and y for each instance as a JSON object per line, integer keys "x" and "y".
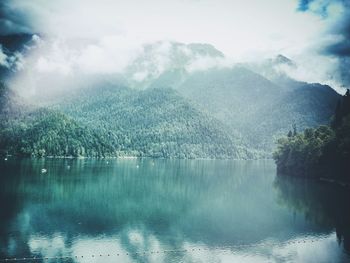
{"x": 206, "y": 211}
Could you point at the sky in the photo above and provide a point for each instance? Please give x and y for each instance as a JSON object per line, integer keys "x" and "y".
{"x": 103, "y": 37}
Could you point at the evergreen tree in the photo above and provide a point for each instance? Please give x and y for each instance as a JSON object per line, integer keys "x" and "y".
{"x": 346, "y": 103}
{"x": 324, "y": 151}
{"x": 294, "y": 129}
{"x": 337, "y": 115}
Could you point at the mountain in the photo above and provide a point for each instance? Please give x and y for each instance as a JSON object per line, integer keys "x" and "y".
{"x": 112, "y": 121}
{"x": 260, "y": 108}
{"x": 179, "y": 100}
{"x": 272, "y": 68}
{"x": 168, "y": 63}
{"x": 322, "y": 152}
{"x": 26, "y": 130}
{"x": 154, "y": 122}
{"x": 235, "y": 96}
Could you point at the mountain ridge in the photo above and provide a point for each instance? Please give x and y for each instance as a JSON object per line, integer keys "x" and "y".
{"x": 116, "y": 122}
{"x": 218, "y": 111}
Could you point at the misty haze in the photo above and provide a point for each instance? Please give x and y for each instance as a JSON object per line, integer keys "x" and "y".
{"x": 175, "y": 131}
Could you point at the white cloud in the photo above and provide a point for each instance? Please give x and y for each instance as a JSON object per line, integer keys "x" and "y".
{"x": 140, "y": 76}
{"x": 14, "y": 61}
{"x": 238, "y": 28}
{"x": 316, "y": 69}
{"x": 108, "y": 55}
{"x": 56, "y": 58}
{"x": 111, "y": 54}
{"x": 3, "y": 58}
{"x": 104, "y": 37}
{"x": 207, "y": 62}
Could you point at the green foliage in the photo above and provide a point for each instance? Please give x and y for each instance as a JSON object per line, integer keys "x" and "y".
{"x": 300, "y": 154}
{"x": 48, "y": 133}
{"x": 261, "y": 109}
{"x": 116, "y": 121}
{"x": 342, "y": 110}
{"x": 323, "y": 151}
{"x": 153, "y": 123}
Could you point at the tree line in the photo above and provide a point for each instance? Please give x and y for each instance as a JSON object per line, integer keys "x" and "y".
{"x": 114, "y": 122}
{"x": 318, "y": 152}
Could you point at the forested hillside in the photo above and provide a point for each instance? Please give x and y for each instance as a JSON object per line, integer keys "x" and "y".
{"x": 183, "y": 103}
{"x": 154, "y": 122}
{"x": 168, "y": 63}
{"x": 258, "y": 100}
{"x": 318, "y": 152}
{"x": 257, "y": 107}
{"x": 30, "y": 131}
{"x": 114, "y": 121}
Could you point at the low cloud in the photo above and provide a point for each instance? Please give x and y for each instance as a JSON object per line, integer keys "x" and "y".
{"x": 80, "y": 38}
{"x": 3, "y": 58}
{"x": 207, "y": 62}
{"x": 13, "y": 62}
{"x": 107, "y": 56}
{"x": 336, "y": 16}
{"x": 56, "y": 63}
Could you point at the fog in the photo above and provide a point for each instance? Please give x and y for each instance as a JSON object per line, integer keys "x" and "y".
{"x": 75, "y": 39}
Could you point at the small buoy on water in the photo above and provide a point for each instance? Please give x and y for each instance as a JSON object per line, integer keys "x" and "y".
{"x": 43, "y": 170}
{"x": 5, "y": 159}
{"x": 137, "y": 166}
{"x": 68, "y": 166}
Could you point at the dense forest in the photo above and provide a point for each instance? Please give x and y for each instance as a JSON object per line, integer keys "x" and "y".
{"x": 256, "y": 100}
{"x": 156, "y": 122}
{"x": 114, "y": 122}
{"x": 219, "y": 112}
{"x": 30, "y": 131}
{"x": 318, "y": 152}
{"x": 261, "y": 109}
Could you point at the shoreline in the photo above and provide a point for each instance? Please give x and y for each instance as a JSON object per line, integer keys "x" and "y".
{"x": 134, "y": 157}
{"x": 334, "y": 182}
{"x": 325, "y": 180}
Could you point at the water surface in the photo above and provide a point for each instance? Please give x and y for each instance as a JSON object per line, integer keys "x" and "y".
{"x": 145, "y": 210}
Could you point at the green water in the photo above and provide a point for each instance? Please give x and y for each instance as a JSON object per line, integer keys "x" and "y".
{"x": 201, "y": 210}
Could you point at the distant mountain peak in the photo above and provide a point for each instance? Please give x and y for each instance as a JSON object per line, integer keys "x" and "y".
{"x": 205, "y": 49}
{"x": 202, "y": 49}
{"x": 164, "y": 57}
{"x": 281, "y": 59}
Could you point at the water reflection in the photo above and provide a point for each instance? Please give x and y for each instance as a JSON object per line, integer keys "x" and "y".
{"x": 325, "y": 205}
{"x": 85, "y": 207}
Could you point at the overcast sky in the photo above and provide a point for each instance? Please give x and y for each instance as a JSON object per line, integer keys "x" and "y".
{"x": 314, "y": 33}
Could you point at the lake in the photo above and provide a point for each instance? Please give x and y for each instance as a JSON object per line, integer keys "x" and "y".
{"x": 145, "y": 210}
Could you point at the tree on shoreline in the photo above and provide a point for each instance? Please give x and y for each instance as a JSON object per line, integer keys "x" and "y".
{"x": 318, "y": 152}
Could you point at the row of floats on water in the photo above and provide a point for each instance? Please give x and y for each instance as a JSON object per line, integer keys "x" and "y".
{"x": 43, "y": 170}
